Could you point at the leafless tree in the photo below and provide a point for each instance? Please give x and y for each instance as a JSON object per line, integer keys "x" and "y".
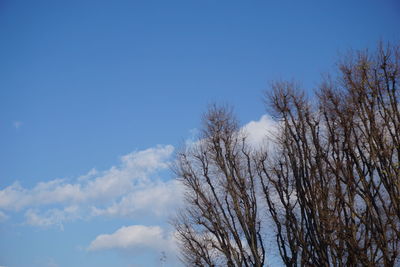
{"x": 220, "y": 224}
{"x": 333, "y": 191}
{"x": 331, "y": 184}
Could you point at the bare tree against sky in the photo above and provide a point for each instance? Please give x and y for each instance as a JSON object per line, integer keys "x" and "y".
{"x": 331, "y": 184}
{"x": 337, "y": 174}
{"x": 220, "y": 225}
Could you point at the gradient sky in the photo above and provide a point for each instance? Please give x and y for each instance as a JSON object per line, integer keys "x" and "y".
{"x": 95, "y": 97}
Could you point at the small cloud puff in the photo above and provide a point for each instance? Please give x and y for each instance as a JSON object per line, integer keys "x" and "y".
{"x": 3, "y": 217}
{"x": 261, "y": 131}
{"x": 17, "y": 125}
{"x": 135, "y": 236}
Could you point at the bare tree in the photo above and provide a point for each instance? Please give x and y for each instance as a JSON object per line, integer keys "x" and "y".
{"x": 220, "y": 224}
{"x": 331, "y": 185}
{"x": 333, "y": 192}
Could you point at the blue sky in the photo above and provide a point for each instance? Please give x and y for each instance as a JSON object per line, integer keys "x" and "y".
{"x": 95, "y": 97}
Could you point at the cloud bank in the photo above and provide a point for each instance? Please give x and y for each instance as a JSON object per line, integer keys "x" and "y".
{"x": 129, "y": 188}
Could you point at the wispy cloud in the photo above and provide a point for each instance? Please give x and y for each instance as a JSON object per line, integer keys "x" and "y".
{"x": 3, "y": 217}
{"x": 17, "y": 124}
{"x": 52, "y": 263}
{"x": 52, "y": 216}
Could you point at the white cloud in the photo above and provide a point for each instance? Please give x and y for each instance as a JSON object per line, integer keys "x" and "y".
{"x": 135, "y": 236}
{"x": 161, "y": 198}
{"x": 129, "y": 189}
{"x": 259, "y": 132}
{"x": 52, "y": 217}
{"x": 135, "y": 175}
{"x": 15, "y": 197}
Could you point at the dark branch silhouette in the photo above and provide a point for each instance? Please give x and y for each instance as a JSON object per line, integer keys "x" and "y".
{"x": 331, "y": 185}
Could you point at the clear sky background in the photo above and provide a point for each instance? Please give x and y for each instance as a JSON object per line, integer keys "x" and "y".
{"x": 95, "y": 97}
